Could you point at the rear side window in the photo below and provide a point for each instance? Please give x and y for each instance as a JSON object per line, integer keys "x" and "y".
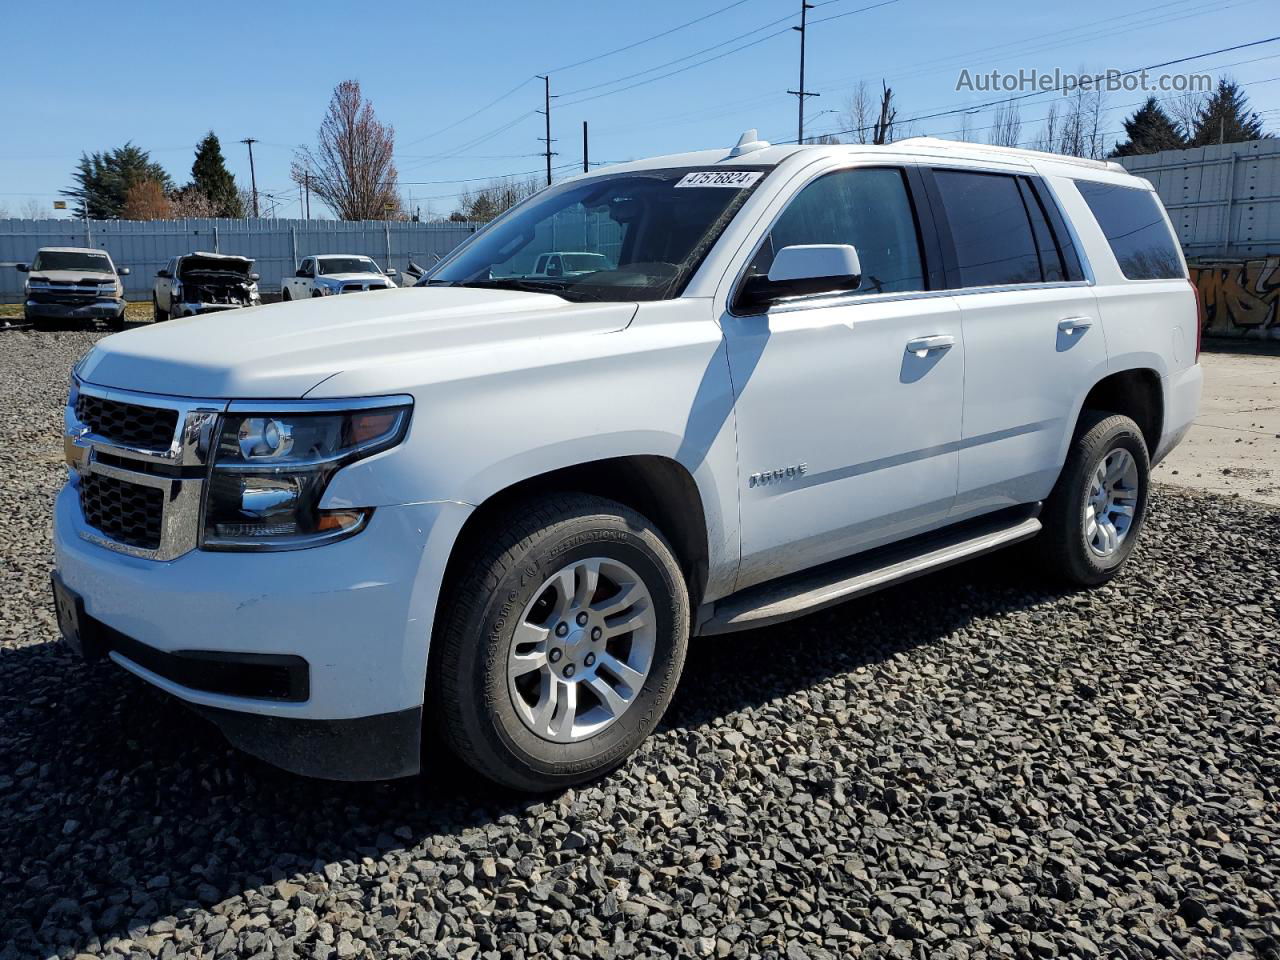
{"x": 868, "y": 207}
{"x": 1135, "y": 228}
{"x": 990, "y": 227}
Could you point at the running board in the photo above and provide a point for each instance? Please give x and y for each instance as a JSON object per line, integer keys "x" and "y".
{"x": 834, "y": 583}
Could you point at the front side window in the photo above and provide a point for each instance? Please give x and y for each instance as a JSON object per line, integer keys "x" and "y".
{"x": 1136, "y": 230}
{"x": 990, "y": 228}
{"x": 866, "y": 207}
{"x": 72, "y": 260}
{"x": 630, "y": 236}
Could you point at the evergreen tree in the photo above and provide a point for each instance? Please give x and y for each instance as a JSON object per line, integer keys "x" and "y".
{"x": 103, "y": 180}
{"x": 210, "y": 176}
{"x": 1226, "y": 117}
{"x": 1150, "y": 130}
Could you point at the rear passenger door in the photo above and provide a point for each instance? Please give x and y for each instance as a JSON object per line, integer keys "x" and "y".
{"x": 1032, "y": 337}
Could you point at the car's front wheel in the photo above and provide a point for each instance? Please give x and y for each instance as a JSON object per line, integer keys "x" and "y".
{"x": 286, "y": 296}
{"x": 1095, "y": 513}
{"x": 157, "y": 315}
{"x": 561, "y": 642}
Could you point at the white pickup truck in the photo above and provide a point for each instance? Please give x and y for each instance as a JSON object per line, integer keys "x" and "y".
{"x": 331, "y": 274}
{"x": 510, "y": 500}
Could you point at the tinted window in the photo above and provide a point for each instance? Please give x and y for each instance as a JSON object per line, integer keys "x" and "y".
{"x": 1051, "y": 270}
{"x": 869, "y": 208}
{"x": 1135, "y": 228}
{"x": 989, "y": 227}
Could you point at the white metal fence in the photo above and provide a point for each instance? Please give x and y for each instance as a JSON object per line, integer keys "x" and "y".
{"x": 276, "y": 246}
{"x": 1224, "y": 200}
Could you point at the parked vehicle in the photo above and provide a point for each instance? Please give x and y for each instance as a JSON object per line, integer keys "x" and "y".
{"x": 204, "y": 283}
{"x": 336, "y": 273}
{"x": 807, "y": 372}
{"x": 564, "y": 264}
{"x": 73, "y": 283}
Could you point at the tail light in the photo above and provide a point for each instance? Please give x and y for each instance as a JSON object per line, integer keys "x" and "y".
{"x": 1200, "y": 317}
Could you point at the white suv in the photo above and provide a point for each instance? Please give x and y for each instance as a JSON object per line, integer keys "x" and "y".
{"x": 510, "y": 499}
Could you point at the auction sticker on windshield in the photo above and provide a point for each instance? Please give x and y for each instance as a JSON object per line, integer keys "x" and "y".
{"x": 735, "y": 179}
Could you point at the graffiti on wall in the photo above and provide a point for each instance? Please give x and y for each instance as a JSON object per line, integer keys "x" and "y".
{"x": 1240, "y": 298}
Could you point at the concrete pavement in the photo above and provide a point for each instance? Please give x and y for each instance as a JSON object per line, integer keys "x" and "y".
{"x": 1234, "y": 447}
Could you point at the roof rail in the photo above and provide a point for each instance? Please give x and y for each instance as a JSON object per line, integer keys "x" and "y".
{"x": 945, "y": 144}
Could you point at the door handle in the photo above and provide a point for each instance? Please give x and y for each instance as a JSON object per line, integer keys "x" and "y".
{"x": 1071, "y": 324}
{"x": 923, "y": 346}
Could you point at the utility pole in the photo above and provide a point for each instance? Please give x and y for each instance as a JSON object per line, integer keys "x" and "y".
{"x": 802, "y": 92}
{"x": 585, "y": 164}
{"x": 306, "y": 184}
{"x": 253, "y": 177}
{"x": 547, "y": 113}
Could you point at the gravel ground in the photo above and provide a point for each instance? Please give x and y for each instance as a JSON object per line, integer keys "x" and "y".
{"x": 971, "y": 765}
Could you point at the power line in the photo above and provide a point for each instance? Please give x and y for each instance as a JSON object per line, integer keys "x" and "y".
{"x": 656, "y": 36}
{"x": 1040, "y": 93}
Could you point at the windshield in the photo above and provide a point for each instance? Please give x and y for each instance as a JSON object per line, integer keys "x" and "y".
{"x": 332, "y": 265}
{"x": 70, "y": 260}
{"x": 631, "y": 236}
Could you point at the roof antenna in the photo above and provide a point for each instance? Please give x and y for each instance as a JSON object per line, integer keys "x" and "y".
{"x": 748, "y": 143}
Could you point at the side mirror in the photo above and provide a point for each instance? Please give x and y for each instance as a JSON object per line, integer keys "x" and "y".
{"x": 255, "y": 277}
{"x": 22, "y": 267}
{"x": 391, "y": 271}
{"x": 164, "y": 274}
{"x": 122, "y": 271}
{"x": 803, "y": 270}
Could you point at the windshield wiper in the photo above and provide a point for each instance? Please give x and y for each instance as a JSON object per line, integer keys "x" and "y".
{"x": 530, "y": 286}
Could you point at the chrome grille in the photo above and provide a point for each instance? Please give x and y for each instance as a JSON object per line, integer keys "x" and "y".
{"x": 127, "y": 424}
{"x": 138, "y": 462}
{"x": 125, "y": 512}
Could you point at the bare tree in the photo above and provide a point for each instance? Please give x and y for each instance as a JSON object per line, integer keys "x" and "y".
{"x": 191, "y": 201}
{"x": 860, "y": 113}
{"x": 1185, "y": 110}
{"x": 352, "y": 168}
{"x": 4, "y": 212}
{"x": 1047, "y": 138}
{"x": 1006, "y": 128}
{"x": 883, "y": 130}
{"x": 966, "y": 128}
{"x": 32, "y": 209}
{"x": 497, "y": 196}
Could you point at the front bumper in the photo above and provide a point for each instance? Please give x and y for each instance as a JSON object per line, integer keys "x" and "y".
{"x": 358, "y": 612}
{"x": 194, "y": 309}
{"x": 94, "y": 310}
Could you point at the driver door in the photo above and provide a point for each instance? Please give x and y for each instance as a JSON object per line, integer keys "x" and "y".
{"x": 848, "y": 429}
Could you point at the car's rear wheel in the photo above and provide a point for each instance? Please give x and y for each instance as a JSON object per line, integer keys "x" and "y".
{"x": 1094, "y": 515}
{"x": 157, "y": 315}
{"x": 560, "y": 644}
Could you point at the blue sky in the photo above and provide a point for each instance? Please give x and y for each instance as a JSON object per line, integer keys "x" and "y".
{"x": 161, "y": 75}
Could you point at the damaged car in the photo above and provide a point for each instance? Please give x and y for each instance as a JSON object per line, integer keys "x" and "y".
{"x": 204, "y": 283}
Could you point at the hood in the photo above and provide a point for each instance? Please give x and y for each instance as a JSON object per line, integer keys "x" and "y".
{"x": 73, "y": 276}
{"x": 362, "y": 277}
{"x": 214, "y": 263}
{"x": 283, "y": 350}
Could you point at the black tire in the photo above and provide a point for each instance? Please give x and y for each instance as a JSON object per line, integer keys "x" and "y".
{"x": 157, "y": 315}
{"x": 286, "y": 296}
{"x": 512, "y": 560}
{"x": 316, "y": 293}
{"x": 1064, "y": 551}
{"x": 116, "y": 323}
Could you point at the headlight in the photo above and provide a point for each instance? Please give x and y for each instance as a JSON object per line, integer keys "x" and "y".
{"x": 271, "y": 470}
